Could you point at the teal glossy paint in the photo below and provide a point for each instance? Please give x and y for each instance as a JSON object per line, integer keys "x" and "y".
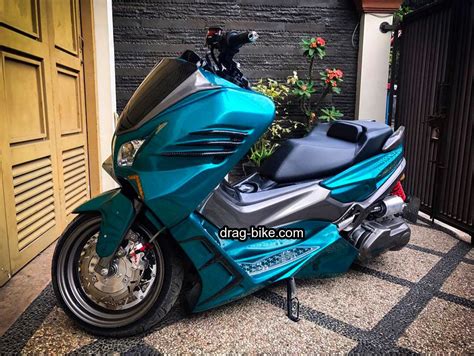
{"x": 333, "y": 260}
{"x": 174, "y": 186}
{"x": 219, "y": 261}
{"x": 117, "y": 213}
{"x": 360, "y": 181}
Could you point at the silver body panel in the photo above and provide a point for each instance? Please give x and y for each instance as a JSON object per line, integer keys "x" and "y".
{"x": 195, "y": 83}
{"x": 227, "y": 206}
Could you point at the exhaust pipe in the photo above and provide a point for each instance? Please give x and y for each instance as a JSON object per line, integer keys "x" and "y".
{"x": 391, "y": 205}
{"x": 373, "y": 238}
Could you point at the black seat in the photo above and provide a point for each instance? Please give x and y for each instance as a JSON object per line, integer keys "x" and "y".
{"x": 328, "y": 149}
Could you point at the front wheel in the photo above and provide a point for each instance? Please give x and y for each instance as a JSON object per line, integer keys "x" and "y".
{"x": 139, "y": 290}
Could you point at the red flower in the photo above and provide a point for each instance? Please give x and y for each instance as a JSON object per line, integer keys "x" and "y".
{"x": 313, "y": 45}
{"x": 327, "y": 81}
{"x": 320, "y": 41}
{"x": 334, "y": 84}
{"x": 334, "y": 74}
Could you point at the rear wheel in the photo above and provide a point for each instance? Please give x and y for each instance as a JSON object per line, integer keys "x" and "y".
{"x": 139, "y": 290}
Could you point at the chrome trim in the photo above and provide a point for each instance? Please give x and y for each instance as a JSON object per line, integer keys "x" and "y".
{"x": 197, "y": 153}
{"x": 345, "y": 223}
{"x": 108, "y": 166}
{"x": 276, "y": 260}
{"x": 393, "y": 205}
{"x": 394, "y": 140}
{"x": 195, "y": 83}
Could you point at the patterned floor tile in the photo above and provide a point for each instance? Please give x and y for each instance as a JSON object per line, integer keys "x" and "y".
{"x": 443, "y": 327}
{"x": 355, "y": 298}
{"x": 426, "y": 237}
{"x": 402, "y": 263}
{"x": 461, "y": 282}
{"x": 247, "y": 326}
{"x": 58, "y": 335}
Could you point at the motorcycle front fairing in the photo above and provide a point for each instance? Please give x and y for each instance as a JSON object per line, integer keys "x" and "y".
{"x": 191, "y": 146}
{"x": 193, "y": 127}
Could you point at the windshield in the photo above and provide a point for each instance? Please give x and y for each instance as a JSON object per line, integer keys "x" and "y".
{"x": 165, "y": 77}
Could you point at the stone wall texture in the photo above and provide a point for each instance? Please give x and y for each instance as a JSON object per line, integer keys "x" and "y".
{"x": 147, "y": 30}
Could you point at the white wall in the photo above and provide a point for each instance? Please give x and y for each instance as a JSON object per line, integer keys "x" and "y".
{"x": 105, "y": 79}
{"x": 372, "y": 76}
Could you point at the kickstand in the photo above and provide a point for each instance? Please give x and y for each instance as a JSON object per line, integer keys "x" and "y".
{"x": 292, "y": 302}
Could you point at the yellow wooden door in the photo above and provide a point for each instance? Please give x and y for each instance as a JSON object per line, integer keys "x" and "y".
{"x": 42, "y": 125}
{"x": 68, "y": 83}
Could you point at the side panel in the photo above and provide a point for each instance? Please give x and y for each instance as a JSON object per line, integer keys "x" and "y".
{"x": 192, "y": 146}
{"x": 231, "y": 269}
{"x": 362, "y": 180}
{"x": 275, "y": 207}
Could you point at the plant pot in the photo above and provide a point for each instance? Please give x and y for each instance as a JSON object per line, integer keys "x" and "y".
{"x": 249, "y": 168}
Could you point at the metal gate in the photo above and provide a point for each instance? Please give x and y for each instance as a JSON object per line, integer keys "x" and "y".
{"x": 435, "y": 103}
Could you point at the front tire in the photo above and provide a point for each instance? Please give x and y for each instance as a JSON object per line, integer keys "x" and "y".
{"x": 136, "y": 295}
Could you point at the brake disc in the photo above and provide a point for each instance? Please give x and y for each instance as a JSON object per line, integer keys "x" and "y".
{"x": 124, "y": 285}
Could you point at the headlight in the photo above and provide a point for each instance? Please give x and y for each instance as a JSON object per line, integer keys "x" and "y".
{"x": 127, "y": 152}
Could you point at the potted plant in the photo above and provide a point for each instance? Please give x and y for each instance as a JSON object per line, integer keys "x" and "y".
{"x": 311, "y": 93}
{"x": 258, "y": 153}
{"x": 279, "y": 128}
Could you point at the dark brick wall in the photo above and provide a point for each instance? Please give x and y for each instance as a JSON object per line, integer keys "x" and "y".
{"x": 147, "y": 30}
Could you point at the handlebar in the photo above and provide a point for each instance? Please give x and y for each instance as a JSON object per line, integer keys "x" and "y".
{"x": 228, "y": 45}
{"x": 232, "y": 40}
{"x": 237, "y": 40}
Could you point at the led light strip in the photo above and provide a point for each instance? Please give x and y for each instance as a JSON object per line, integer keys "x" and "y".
{"x": 277, "y": 260}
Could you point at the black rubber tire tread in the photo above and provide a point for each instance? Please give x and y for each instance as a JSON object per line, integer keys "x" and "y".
{"x": 172, "y": 283}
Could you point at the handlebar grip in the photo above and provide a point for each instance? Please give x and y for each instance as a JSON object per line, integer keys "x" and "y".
{"x": 237, "y": 40}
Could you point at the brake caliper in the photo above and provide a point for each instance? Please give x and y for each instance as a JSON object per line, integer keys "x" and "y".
{"x": 138, "y": 252}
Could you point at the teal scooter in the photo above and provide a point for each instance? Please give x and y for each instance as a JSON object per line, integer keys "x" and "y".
{"x": 177, "y": 227}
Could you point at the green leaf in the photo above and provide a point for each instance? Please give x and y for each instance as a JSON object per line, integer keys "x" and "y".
{"x": 311, "y": 52}
{"x": 321, "y": 53}
{"x": 330, "y": 114}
